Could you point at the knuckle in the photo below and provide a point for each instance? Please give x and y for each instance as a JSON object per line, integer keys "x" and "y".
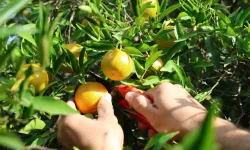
{"x": 165, "y": 85}
{"x": 178, "y": 85}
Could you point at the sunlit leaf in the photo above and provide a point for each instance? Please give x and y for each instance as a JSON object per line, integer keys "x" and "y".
{"x": 153, "y": 57}
{"x": 11, "y": 141}
{"x": 35, "y": 124}
{"x": 12, "y": 8}
{"x": 52, "y": 106}
{"x": 133, "y": 51}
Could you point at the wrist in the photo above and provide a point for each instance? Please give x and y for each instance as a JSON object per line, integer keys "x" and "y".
{"x": 193, "y": 123}
{"x": 229, "y": 136}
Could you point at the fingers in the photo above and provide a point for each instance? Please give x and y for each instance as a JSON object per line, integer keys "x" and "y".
{"x": 141, "y": 104}
{"x": 179, "y": 86}
{"x": 105, "y": 108}
{"x": 71, "y": 104}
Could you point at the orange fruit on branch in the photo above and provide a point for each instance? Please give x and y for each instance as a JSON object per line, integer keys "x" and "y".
{"x": 151, "y": 12}
{"x": 88, "y": 95}
{"x": 39, "y": 78}
{"x": 75, "y": 49}
{"x": 117, "y": 65}
{"x": 157, "y": 65}
{"x": 164, "y": 43}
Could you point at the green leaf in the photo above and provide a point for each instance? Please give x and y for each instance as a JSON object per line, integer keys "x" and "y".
{"x": 94, "y": 7}
{"x": 132, "y": 82}
{"x": 168, "y": 11}
{"x": 133, "y": 51}
{"x": 101, "y": 45}
{"x": 89, "y": 31}
{"x": 27, "y": 36}
{"x": 191, "y": 34}
{"x": 4, "y": 57}
{"x": 44, "y": 39}
{"x": 85, "y": 8}
{"x": 135, "y": 7}
{"x": 168, "y": 67}
{"x": 153, "y": 140}
{"x": 138, "y": 68}
{"x": 5, "y": 85}
{"x": 52, "y": 106}
{"x": 12, "y": 8}
{"x": 153, "y": 57}
{"x": 173, "y": 51}
{"x": 223, "y": 17}
{"x": 203, "y": 64}
{"x": 73, "y": 61}
{"x": 179, "y": 29}
{"x": 35, "y": 124}
{"x": 151, "y": 80}
{"x": 241, "y": 18}
{"x": 145, "y": 47}
{"x": 230, "y": 31}
{"x": 10, "y": 141}
{"x": 38, "y": 141}
{"x": 93, "y": 60}
{"x": 163, "y": 5}
{"x": 58, "y": 63}
{"x": 163, "y": 140}
{"x": 19, "y": 29}
{"x": 180, "y": 72}
{"x": 81, "y": 58}
{"x": 98, "y": 3}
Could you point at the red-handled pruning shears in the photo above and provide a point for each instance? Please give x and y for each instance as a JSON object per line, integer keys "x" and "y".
{"x": 123, "y": 90}
{"x": 119, "y": 92}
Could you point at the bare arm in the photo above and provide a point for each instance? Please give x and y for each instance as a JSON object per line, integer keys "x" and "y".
{"x": 231, "y": 137}
{"x": 174, "y": 109}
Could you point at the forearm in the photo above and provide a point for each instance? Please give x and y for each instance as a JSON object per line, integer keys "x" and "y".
{"x": 230, "y": 137}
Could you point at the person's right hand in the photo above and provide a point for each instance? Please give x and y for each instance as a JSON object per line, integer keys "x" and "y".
{"x": 174, "y": 109}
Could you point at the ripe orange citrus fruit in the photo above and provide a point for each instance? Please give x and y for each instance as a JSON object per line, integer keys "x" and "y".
{"x": 88, "y": 95}
{"x": 117, "y": 65}
{"x": 75, "y": 49}
{"x": 149, "y": 12}
{"x": 39, "y": 78}
{"x": 158, "y": 64}
{"x": 163, "y": 43}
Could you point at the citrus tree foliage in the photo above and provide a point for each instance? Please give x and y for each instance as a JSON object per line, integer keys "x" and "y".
{"x": 209, "y": 57}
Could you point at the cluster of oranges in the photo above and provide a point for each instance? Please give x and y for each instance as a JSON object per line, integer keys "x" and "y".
{"x": 116, "y": 65}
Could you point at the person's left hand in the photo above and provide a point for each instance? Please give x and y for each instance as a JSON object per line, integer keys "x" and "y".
{"x": 102, "y": 134}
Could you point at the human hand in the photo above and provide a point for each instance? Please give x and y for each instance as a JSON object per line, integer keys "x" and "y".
{"x": 174, "y": 109}
{"x": 104, "y": 133}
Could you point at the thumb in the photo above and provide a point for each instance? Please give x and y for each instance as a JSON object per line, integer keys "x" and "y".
{"x": 105, "y": 108}
{"x": 141, "y": 104}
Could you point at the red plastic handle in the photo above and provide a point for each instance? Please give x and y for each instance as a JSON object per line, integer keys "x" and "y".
{"x": 124, "y": 89}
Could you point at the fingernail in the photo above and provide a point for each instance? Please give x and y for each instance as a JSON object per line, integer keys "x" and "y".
{"x": 129, "y": 96}
{"x": 107, "y": 97}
